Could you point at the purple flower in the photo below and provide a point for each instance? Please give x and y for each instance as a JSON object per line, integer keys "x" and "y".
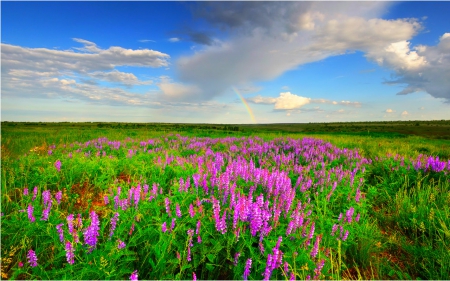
{"x": 167, "y": 203}
{"x": 60, "y": 232}
{"x": 70, "y": 253}
{"x": 46, "y": 197}
{"x": 113, "y": 224}
{"x": 178, "y": 211}
{"x": 137, "y": 195}
{"x": 333, "y": 230}
{"x": 197, "y": 230}
{"x": 58, "y": 165}
{"x": 194, "y": 277}
{"x": 319, "y": 269}
{"x": 116, "y": 202}
{"x": 164, "y": 227}
{"x": 70, "y": 223}
{"x": 292, "y": 277}
{"x": 32, "y": 259}
{"x": 345, "y": 235}
{"x": 25, "y": 191}
{"x": 106, "y": 199}
{"x": 199, "y": 239}
{"x": 236, "y": 258}
{"x": 46, "y": 212}
{"x": 358, "y": 194}
{"x": 191, "y": 211}
{"x": 286, "y": 267}
{"x": 349, "y": 214}
{"x": 121, "y": 244}
{"x": 134, "y": 275}
{"x": 315, "y": 249}
{"x": 248, "y": 265}
{"x": 35, "y": 192}
{"x": 50, "y": 152}
{"x": 357, "y": 217}
{"x": 91, "y": 232}
{"x": 58, "y": 197}
{"x": 268, "y": 270}
{"x": 261, "y": 248}
{"x": 172, "y": 226}
{"x": 188, "y": 254}
{"x": 30, "y": 213}
{"x": 311, "y": 231}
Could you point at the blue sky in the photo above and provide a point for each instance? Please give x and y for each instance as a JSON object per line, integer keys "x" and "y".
{"x": 187, "y": 62}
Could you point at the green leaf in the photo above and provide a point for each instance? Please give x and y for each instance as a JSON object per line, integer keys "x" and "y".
{"x": 210, "y": 266}
{"x": 186, "y": 266}
{"x": 211, "y": 257}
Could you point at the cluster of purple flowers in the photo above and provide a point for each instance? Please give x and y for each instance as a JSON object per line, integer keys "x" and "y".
{"x": 92, "y": 232}
{"x": 263, "y": 204}
{"x": 30, "y": 210}
{"x": 273, "y": 260}
{"x": 60, "y": 232}
{"x": 248, "y": 265}
{"x": 121, "y": 244}
{"x": 32, "y": 258}
{"x": 58, "y": 165}
{"x": 70, "y": 253}
{"x": 114, "y": 220}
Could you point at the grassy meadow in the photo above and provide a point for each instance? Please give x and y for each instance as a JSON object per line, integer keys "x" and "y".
{"x": 116, "y": 201}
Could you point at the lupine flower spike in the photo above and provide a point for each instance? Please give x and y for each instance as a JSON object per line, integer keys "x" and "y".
{"x": 32, "y": 259}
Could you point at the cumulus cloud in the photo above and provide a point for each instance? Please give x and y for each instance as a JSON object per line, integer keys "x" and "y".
{"x": 405, "y": 113}
{"x": 266, "y": 39}
{"x": 289, "y": 101}
{"x": 285, "y": 101}
{"x": 93, "y": 58}
{"x": 420, "y": 68}
{"x": 69, "y": 74}
{"x": 389, "y": 110}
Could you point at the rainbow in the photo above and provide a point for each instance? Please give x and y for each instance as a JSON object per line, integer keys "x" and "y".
{"x": 245, "y": 104}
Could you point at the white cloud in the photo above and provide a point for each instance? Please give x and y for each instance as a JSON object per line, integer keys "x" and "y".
{"x": 350, "y": 103}
{"x": 47, "y": 73}
{"x": 127, "y": 79}
{"x": 146, "y": 40}
{"x": 422, "y": 68}
{"x": 285, "y": 101}
{"x": 279, "y": 37}
{"x": 389, "y": 110}
{"x": 289, "y": 101}
{"x": 286, "y": 88}
{"x": 405, "y": 113}
{"x": 174, "y": 39}
{"x": 46, "y": 60}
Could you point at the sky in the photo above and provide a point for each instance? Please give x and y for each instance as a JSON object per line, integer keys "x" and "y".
{"x": 235, "y": 62}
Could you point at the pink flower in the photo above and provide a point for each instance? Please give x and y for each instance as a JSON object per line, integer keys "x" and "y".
{"x": 58, "y": 165}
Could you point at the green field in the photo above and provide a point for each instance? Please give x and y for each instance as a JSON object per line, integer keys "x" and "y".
{"x": 402, "y": 230}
